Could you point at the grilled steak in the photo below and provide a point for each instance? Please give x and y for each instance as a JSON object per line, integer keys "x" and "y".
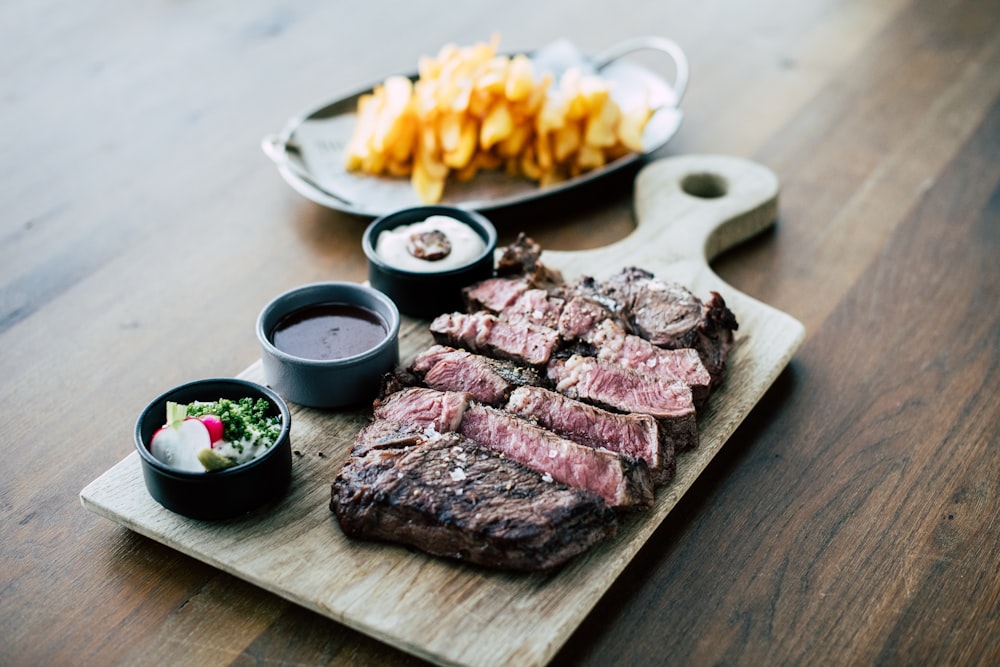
{"x": 494, "y": 294}
{"x": 487, "y": 334}
{"x": 534, "y": 306}
{"x": 447, "y": 369}
{"x": 427, "y": 408}
{"x": 522, "y": 259}
{"x": 488, "y": 380}
{"x": 715, "y": 335}
{"x": 613, "y": 386}
{"x": 581, "y": 315}
{"x": 539, "y": 411}
{"x": 447, "y": 496}
{"x": 612, "y": 343}
{"x": 636, "y": 436}
{"x": 669, "y": 315}
{"x": 622, "y": 481}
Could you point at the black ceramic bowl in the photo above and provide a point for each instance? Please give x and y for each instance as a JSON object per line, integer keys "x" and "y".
{"x": 224, "y": 493}
{"x": 425, "y": 294}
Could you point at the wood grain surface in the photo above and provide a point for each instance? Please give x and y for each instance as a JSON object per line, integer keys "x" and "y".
{"x": 850, "y": 519}
{"x": 457, "y": 614}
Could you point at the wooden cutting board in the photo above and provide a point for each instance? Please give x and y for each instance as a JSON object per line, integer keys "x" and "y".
{"x": 689, "y": 209}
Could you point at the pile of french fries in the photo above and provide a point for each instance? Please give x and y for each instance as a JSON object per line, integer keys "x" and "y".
{"x": 471, "y": 109}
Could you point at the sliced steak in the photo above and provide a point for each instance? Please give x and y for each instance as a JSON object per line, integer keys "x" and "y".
{"x": 487, "y": 334}
{"x": 447, "y": 496}
{"x": 580, "y": 315}
{"x": 636, "y": 436}
{"x": 424, "y": 408}
{"x": 383, "y": 433}
{"x": 488, "y": 380}
{"x": 715, "y": 335}
{"x": 494, "y": 294}
{"x": 534, "y": 306}
{"x": 613, "y": 386}
{"x": 622, "y": 481}
{"x": 448, "y": 369}
{"x": 522, "y": 259}
{"x": 613, "y": 343}
{"x": 668, "y": 315}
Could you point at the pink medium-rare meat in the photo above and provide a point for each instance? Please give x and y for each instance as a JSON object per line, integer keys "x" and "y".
{"x": 622, "y": 388}
{"x": 634, "y": 435}
{"x": 579, "y": 316}
{"x": 535, "y": 306}
{"x": 494, "y": 294}
{"x": 448, "y": 496}
{"x": 448, "y": 369}
{"x": 425, "y": 408}
{"x": 488, "y": 380}
{"x": 623, "y": 482}
{"x": 613, "y": 343}
{"x": 613, "y": 386}
{"x": 487, "y": 334}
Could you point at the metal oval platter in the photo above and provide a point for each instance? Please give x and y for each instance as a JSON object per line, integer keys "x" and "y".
{"x": 309, "y": 151}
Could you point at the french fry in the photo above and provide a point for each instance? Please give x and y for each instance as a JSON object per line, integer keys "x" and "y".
{"x": 514, "y": 143}
{"x": 497, "y": 125}
{"x": 520, "y": 81}
{"x": 460, "y": 154}
{"x": 631, "y": 126}
{"x": 602, "y": 124}
{"x": 471, "y": 110}
{"x": 566, "y": 141}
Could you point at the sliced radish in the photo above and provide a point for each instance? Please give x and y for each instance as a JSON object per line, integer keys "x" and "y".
{"x": 214, "y": 426}
{"x": 177, "y": 444}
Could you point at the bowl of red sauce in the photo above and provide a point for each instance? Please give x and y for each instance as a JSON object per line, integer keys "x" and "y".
{"x": 328, "y": 345}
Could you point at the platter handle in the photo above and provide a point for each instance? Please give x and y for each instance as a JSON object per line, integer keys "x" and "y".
{"x": 662, "y": 44}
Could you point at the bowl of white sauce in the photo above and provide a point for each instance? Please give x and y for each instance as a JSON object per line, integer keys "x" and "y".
{"x": 422, "y": 257}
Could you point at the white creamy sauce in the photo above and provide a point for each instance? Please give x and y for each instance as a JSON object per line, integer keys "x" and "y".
{"x": 245, "y": 450}
{"x": 466, "y": 245}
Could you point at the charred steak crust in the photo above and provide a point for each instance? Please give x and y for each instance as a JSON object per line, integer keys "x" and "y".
{"x": 449, "y": 497}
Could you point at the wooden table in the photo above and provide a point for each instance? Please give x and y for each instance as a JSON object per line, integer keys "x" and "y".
{"x": 852, "y": 519}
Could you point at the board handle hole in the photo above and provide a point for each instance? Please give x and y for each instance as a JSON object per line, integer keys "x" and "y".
{"x": 704, "y": 185}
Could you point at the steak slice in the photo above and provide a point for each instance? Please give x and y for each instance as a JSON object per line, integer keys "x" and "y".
{"x": 622, "y": 481}
{"x": 534, "y": 306}
{"x": 447, "y": 369}
{"x": 447, "y": 496}
{"x": 426, "y": 408}
{"x": 487, "y": 334}
{"x": 636, "y": 436}
{"x": 714, "y": 337}
{"x": 522, "y": 259}
{"x": 580, "y": 315}
{"x": 610, "y": 385}
{"x": 494, "y": 294}
{"x": 668, "y": 315}
{"x": 488, "y": 380}
{"x": 614, "y": 344}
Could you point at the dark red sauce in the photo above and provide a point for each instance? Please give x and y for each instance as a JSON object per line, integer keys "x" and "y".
{"x": 328, "y": 331}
